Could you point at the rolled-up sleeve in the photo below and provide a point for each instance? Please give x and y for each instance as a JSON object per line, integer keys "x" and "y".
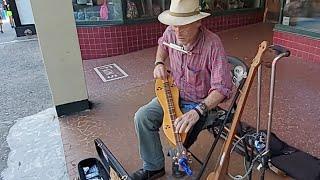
{"x": 164, "y": 38}
{"x": 221, "y": 79}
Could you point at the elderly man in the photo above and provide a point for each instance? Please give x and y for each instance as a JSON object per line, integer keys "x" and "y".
{"x": 200, "y": 71}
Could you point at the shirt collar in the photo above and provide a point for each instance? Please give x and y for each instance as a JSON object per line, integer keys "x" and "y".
{"x": 195, "y": 47}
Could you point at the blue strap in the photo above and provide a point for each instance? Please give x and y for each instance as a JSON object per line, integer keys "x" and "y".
{"x": 188, "y": 105}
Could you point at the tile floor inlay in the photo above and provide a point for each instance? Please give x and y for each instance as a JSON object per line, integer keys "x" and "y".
{"x": 110, "y": 72}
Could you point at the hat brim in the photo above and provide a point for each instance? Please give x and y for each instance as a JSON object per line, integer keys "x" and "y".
{"x": 168, "y": 19}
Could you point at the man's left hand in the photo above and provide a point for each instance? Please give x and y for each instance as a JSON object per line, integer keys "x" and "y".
{"x": 186, "y": 121}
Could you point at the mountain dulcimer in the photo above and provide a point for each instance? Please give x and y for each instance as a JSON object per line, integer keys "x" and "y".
{"x": 168, "y": 96}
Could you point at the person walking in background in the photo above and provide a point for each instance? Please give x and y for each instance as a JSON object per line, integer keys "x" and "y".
{"x": 4, "y": 12}
{"x": 9, "y": 14}
{"x": 1, "y": 17}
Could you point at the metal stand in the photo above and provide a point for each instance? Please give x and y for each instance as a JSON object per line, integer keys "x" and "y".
{"x": 280, "y": 52}
{"x": 260, "y": 144}
{"x": 260, "y": 151}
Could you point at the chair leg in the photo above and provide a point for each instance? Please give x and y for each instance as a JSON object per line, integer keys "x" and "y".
{"x": 196, "y": 158}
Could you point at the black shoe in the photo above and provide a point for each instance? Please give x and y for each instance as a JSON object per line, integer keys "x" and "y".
{"x": 142, "y": 174}
{"x": 1, "y": 31}
{"x": 176, "y": 172}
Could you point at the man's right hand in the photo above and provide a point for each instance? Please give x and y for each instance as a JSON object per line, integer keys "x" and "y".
{"x": 160, "y": 72}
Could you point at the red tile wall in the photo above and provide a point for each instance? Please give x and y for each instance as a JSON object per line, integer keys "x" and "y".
{"x": 99, "y": 42}
{"x": 303, "y": 47}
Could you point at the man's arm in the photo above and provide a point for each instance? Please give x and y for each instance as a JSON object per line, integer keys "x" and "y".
{"x": 159, "y": 71}
{"x": 213, "y": 99}
{"x": 220, "y": 89}
{"x": 192, "y": 116}
{"x": 161, "y": 55}
{"x": 221, "y": 80}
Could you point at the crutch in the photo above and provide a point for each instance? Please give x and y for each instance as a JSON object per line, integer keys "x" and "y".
{"x": 280, "y": 52}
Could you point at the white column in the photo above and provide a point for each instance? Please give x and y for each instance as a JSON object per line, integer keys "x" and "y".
{"x": 59, "y": 44}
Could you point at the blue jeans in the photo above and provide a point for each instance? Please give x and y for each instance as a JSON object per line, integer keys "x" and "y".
{"x": 148, "y": 120}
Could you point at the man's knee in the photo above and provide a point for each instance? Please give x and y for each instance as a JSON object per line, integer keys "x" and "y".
{"x": 141, "y": 116}
{"x": 146, "y": 119}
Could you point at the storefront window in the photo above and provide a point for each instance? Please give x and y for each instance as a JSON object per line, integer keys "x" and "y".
{"x": 222, "y": 5}
{"x": 141, "y": 9}
{"x": 302, "y": 14}
{"x": 97, "y": 10}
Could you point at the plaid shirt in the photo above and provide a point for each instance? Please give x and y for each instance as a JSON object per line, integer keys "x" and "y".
{"x": 202, "y": 72}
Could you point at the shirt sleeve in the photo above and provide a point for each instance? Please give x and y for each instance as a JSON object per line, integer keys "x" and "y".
{"x": 164, "y": 38}
{"x": 221, "y": 79}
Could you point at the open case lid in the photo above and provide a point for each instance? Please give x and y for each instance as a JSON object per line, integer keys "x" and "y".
{"x": 114, "y": 168}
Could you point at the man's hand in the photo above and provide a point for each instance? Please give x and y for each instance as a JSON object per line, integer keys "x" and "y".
{"x": 160, "y": 72}
{"x": 186, "y": 121}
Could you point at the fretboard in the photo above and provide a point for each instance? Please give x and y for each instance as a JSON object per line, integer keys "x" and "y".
{"x": 172, "y": 113}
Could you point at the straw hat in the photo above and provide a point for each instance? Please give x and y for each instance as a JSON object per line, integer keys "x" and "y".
{"x": 182, "y": 12}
